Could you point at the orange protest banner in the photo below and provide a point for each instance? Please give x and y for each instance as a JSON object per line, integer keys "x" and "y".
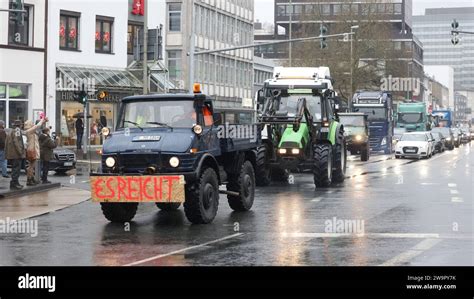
{"x": 138, "y": 188}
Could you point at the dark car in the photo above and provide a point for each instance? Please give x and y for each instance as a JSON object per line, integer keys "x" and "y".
{"x": 356, "y": 127}
{"x": 440, "y": 142}
{"x": 466, "y": 135}
{"x": 447, "y": 134}
{"x": 457, "y": 136}
{"x": 63, "y": 161}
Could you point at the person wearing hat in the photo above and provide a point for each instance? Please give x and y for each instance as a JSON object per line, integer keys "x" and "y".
{"x": 15, "y": 152}
{"x": 3, "y": 161}
{"x": 32, "y": 149}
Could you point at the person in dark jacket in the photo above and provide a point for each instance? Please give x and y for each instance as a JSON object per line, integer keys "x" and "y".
{"x": 15, "y": 151}
{"x": 46, "y": 152}
{"x": 3, "y": 161}
{"x": 79, "y": 132}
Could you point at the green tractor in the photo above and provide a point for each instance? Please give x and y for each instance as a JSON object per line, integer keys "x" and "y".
{"x": 300, "y": 128}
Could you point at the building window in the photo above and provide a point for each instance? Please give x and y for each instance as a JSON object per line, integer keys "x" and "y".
{"x": 14, "y": 103}
{"x": 103, "y": 35}
{"x": 325, "y": 9}
{"x": 68, "y": 31}
{"x": 19, "y": 32}
{"x": 174, "y": 64}
{"x": 132, "y": 35}
{"x": 174, "y": 10}
{"x": 398, "y": 8}
{"x": 336, "y": 9}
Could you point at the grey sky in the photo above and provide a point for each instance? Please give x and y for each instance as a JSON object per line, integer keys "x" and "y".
{"x": 264, "y": 8}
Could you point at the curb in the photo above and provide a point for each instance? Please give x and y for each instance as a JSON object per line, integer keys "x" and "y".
{"x": 30, "y": 190}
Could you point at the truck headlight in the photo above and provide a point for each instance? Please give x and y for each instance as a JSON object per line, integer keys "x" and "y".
{"x": 448, "y": 139}
{"x": 197, "y": 129}
{"x": 110, "y": 162}
{"x": 174, "y": 162}
{"x": 358, "y": 138}
{"x": 295, "y": 151}
{"x": 105, "y": 132}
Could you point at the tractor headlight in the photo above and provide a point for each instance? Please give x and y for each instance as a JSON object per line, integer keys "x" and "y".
{"x": 358, "y": 138}
{"x": 110, "y": 162}
{"x": 295, "y": 151}
{"x": 174, "y": 162}
{"x": 282, "y": 151}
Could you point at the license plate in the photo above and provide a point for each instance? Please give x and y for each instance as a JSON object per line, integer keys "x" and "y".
{"x": 68, "y": 164}
{"x": 138, "y": 188}
{"x": 410, "y": 151}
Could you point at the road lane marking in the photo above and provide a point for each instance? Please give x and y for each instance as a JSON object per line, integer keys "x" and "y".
{"x": 457, "y": 199}
{"x": 452, "y": 185}
{"x": 368, "y": 235}
{"x": 317, "y": 199}
{"x": 454, "y": 192}
{"x": 411, "y": 253}
{"x": 156, "y": 257}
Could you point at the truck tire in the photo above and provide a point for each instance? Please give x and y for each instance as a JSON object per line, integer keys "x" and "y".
{"x": 322, "y": 168}
{"x": 202, "y": 198}
{"x": 365, "y": 154}
{"x": 244, "y": 183}
{"x": 262, "y": 171}
{"x": 164, "y": 206}
{"x": 280, "y": 174}
{"x": 119, "y": 212}
{"x": 340, "y": 160}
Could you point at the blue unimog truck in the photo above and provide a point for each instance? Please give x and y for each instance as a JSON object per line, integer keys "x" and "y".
{"x": 169, "y": 149}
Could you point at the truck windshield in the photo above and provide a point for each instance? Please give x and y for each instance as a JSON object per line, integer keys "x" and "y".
{"x": 410, "y": 118}
{"x": 153, "y": 114}
{"x": 374, "y": 113}
{"x": 413, "y": 137}
{"x": 289, "y": 103}
{"x": 352, "y": 121}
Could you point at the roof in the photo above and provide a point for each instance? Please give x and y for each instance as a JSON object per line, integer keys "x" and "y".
{"x": 102, "y": 77}
{"x": 154, "y": 97}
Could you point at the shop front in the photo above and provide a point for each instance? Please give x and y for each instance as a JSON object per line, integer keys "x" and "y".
{"x": 116, "y": 83}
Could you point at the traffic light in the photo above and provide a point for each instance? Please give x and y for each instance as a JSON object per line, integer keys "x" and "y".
{"x": 80, "y": 97}
{"x": 454, "y": 32}
{"x": 323, "y": 31}
{"x": 18, "y": 15}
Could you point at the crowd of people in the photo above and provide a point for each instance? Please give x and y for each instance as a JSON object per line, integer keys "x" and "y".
{"x": 37, "y": 145}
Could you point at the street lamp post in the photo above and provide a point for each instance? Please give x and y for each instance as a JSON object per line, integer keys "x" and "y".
{"x": 352, "y": 64}
{"x": 145, "y": 48}
{"x": 290, "y": 46}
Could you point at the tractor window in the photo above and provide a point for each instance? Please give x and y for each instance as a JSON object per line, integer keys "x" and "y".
{"x": 207, "y": 114}
{"x": 289, "y": 103}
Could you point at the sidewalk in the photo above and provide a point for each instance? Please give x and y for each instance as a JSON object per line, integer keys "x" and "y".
{"x": 6, "y": 192}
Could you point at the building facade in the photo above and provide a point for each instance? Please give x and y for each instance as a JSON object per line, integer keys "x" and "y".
{"x": 434, "y": 31}
{"x": 22, "y": 62}
{"x": 202, "y": 25}
{"x": 263, "y": 70}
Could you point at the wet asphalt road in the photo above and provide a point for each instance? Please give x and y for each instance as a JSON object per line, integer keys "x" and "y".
{"x": 411, "y": 212}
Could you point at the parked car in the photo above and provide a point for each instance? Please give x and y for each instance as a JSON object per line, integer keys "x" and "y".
{"x": 440, "y": 142}
{"x": 432, "y": 141}
{"x": 447, "y": 134}
{"x": 414, "y": 145}
{"x": 457, "y": 137}
{"x": 63, "y": 161}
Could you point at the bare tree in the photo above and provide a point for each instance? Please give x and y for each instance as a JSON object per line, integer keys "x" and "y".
{"x": 374, "y": 55}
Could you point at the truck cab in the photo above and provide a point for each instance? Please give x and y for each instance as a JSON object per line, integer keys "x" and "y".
{"x": 169, "y": 149}
{"x": 413, "y": 117}
{"x": 378, "y": 108}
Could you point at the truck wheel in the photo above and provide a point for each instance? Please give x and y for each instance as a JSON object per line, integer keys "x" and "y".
{"x": 202, "y": 198}
{"x": 164, "y": 206}
{"x": 119, "y": 212}
{"x": 262, "y": 171}
{"x": 244, "y": 183}
{"x": 340, "y": 159}
{"x": 365, "y": 154}
{"x": 280, "y": 174}
{"x": 322, "y": 168}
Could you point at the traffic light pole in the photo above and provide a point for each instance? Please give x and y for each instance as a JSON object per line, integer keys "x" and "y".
{"x": 86, "y": 141}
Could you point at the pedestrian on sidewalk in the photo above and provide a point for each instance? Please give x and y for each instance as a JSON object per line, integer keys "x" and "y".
{"x": 47, "y": 144}
{"x": 79, "y": 132}
{"x": 3, "y": 161}
{"x": 32, "y": 149}
{"x": 15, "y": 152}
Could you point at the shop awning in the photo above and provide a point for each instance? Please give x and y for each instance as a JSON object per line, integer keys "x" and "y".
{"x": 100, "y": 77}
